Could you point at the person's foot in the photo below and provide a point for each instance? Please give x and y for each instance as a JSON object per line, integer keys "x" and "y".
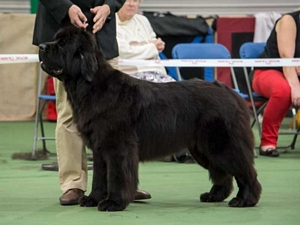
{"x": 271, "y": 152}
{"x": 141, "y": 195}
{"x": 71, "y": 197}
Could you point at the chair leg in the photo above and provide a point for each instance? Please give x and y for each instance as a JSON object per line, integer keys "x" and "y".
{"x": 292, "y": 146}
{"x": 293, "y": 143}
{"x": 42, "y": 127}
{"x": 43, "y": 138}
{"x": 38, "y": 119}
{"x": 36, "y": 125}
{"x": 37, "y": 116}
{"x": 255, "y": 153}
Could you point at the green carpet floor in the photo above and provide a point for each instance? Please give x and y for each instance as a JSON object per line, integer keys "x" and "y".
{"x": 29, "y": 195}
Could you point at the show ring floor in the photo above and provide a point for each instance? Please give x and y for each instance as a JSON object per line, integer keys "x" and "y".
{"x": 29, "y": 195}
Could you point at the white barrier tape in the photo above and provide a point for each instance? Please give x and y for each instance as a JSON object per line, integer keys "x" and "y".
{"x": 277, "y": 62}
{"x": 20, "y": 58}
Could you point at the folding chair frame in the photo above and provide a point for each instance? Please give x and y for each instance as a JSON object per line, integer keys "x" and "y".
{"x": 44, "y": 99}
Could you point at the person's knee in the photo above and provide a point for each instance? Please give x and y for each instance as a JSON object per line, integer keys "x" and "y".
{"x": 283, "y": 92}
{"x": 65, "y": 122}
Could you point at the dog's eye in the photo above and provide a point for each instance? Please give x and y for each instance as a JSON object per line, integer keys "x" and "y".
{"x": 61, "y": 44}
{"x": 61, "y": 48}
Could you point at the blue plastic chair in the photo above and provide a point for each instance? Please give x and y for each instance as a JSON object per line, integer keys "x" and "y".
{"x": 201, "y": 51}
{"x": 209, "y": 38}
{"x": 251, "y": 50}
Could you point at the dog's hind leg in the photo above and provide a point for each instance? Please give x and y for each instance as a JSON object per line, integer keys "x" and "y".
{"x": 229, "y": 148}
{"x": 122, "y": 174}
{"x": 237, "y": 159}
{"x": 222, "y": 186}
{"x": 222, "y": 181}
{"x": 239, "y": 164}
{"x": 99, "y": 185}
{"x": 249, "y": 189}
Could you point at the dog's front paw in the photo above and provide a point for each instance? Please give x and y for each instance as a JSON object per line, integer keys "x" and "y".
{"x": 208, "y": 197}
{"x": 239, "y": 202}
{"x": 109, "y": 205}
{"x": 88, "y": 201}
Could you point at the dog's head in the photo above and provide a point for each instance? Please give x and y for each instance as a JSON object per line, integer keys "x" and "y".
{"x": 71, "y": 54}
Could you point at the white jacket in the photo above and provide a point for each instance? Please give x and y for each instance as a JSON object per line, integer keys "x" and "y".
{"x": 134, "y": 38}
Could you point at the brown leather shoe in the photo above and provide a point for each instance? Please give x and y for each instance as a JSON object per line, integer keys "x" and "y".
{"x": 71, "y": 197}
{"x": 141, "y": 195}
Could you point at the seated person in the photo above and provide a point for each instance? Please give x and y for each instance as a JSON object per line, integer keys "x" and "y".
{"x": 137, "y": 40}
{"x": 279, "y": 84}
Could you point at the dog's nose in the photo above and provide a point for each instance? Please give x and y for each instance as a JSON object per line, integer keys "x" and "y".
{"x": 42, "y": 47}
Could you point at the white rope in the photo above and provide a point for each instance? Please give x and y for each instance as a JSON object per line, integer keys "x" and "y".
{"x": 19, "y": 58}
{"x": 277, "y": 62}
{"x": 213, "y": 62}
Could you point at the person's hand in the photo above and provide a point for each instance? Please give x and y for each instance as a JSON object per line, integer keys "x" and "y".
{"x": 159, "y": 44}
{"x": 101, "y": 14}
{"x": 298, "y": 70}
{"x": 296, "y": 96}
{"x": 77, "y": 18}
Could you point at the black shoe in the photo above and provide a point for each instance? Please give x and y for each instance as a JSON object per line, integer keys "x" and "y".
{"x": 141, "y": 195}
{"x": 50, "y": 166}
{"x": 271, "y": 152}
{"x": 54, "y": 166}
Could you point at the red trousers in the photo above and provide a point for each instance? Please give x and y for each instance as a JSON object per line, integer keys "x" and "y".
{"x": 272, "y": 85}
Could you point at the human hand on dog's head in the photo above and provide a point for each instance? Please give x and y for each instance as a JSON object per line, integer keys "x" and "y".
{"x": 77, "y": 18}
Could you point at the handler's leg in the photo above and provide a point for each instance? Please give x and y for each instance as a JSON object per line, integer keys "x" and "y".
{"x": 70, "y": 149}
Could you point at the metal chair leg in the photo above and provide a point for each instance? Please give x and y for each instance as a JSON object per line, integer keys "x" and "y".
{"x": 38, "y": 119}
{"x": 42, "y": 127}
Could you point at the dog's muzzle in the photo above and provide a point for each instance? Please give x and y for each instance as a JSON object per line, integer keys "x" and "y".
{"x": 57, "y": 73}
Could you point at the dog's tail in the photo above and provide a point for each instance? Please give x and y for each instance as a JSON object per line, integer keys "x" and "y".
{"x": 242, "y": 103}
{"x": 242, "y": 128}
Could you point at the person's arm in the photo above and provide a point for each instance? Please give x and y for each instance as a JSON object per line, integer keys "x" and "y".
{"x": 286, "y": 39}
{"x": 114, "y": 5}
{"x": 135, "y": 50}
{"x": 104, "y": 12}
{"x": 58, "y": 8}
{"x": 61, "y": 8}
{"x": 159, "y": 43}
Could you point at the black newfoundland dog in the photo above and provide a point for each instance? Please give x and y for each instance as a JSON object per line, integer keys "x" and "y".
{"x": 124, "y": 120}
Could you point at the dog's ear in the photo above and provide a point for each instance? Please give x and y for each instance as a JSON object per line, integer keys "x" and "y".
{"x": 89, "y": 66}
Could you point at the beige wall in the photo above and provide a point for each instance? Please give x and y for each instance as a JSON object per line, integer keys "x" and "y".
{"x": 18, "y": 81}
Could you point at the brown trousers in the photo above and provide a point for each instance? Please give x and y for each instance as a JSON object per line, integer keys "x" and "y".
{"x": 71, "y": 152}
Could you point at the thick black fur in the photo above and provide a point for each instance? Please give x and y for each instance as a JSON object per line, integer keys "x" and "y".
{"x": 124, "y": 120}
